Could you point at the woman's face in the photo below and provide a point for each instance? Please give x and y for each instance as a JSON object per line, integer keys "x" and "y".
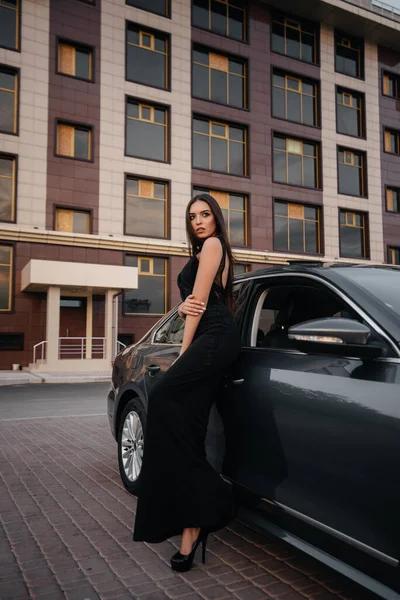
{"x": 202, "y": 220}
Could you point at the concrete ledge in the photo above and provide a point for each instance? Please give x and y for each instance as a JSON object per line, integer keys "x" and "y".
{"x": 25, "y": 377}
{"x": 18, "y": 378}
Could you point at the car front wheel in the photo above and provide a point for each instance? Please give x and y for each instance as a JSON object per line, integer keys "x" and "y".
{"x": 130, "y": 444}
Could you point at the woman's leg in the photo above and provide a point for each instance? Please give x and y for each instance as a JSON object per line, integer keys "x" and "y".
{"x": 189, "y": 536}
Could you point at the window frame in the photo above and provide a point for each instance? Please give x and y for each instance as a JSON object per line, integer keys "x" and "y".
{"x": 364, "y": 178}
{"x": 166, "y": 283}
{"x": 318, "y": 159}
{"x": 302, "y": 22}
{"x": 391, "y": 131}
{"x": 152, "y": 105}
{"x": 391, "y": 188}
{"x": 168, "y": 321}
{"x": 361, "y": 53}
{"x": 14, "y": 158}
{"x": 17, "y": 73}
{"x": 391, "y": 251}
{"x": 362, "y": 112}
{"x": 167, "y": 201}
{"x": 246, "y": 197}
{"x": 167, "y": 4}
{"x": 366, "y": 238}
{"x": 320, "y": 236}
{"x": 151, "y": 32}
{"x": 17, "y": 29}
{"x": 212, "y": 121}
{"x": 11, "y": 289}
{"x": 243, "y": 60}
{"x": 79, "y": 126}
{"x": 396, "y": 78}
{"x": 317, "y": 104}
{"x": 245, "y": 39}
{"x": 77, "y": 46}
{"x": 65, "y": 207}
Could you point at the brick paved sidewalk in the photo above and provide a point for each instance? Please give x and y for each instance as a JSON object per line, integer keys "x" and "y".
{"x": 67, "y": 522}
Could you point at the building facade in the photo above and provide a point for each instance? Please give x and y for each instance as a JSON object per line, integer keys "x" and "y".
{"x": 114, "y": 113}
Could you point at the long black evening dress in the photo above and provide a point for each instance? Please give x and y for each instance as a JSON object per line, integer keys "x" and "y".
{"x": 178, "y": 486}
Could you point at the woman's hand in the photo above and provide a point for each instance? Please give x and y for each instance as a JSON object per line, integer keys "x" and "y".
{"x": 191, "y": 307}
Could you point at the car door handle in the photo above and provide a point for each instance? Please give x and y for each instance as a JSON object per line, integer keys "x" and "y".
{"x": 153, "y": 370}
{"x": 237, "y": 381}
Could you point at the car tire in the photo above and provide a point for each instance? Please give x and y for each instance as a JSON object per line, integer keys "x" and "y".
{"x": 130, "y": 441}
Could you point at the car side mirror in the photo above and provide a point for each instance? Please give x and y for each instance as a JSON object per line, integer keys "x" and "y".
{"x": 334, "y": 336}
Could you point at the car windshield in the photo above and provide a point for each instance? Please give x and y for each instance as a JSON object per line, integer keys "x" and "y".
{"x": 382, "y": 284}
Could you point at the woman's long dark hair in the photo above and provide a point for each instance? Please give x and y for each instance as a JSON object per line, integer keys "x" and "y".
{"x": 195, "y": 244}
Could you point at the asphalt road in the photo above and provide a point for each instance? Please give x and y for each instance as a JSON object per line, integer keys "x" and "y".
{"x": 53, "y": 400}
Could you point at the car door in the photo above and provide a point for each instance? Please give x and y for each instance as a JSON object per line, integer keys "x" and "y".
{"x": 315, "y": 433}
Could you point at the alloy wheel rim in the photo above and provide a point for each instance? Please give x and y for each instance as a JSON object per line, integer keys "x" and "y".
{"x": 132, "y": 445}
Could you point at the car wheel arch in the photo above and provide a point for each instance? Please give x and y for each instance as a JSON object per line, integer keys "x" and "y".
{"x": 127, "y": 392}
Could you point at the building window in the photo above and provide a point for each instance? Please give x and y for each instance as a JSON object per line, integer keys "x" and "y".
{"x": 225, "y": 17}
{"x": 151, "y": 295}
{"x": 219, "y": 147}
{"x": 294, "y": 38}
{"x": 74, "y": 141}
{"x": 296, "y": 162}
{"x": 7, "y": 187}
{"x": 391, "y": 85}
{"x": 146, "y": 131}
{"x": 392, "y": 141}
{"x": 146, "y": 204}
{"x": 12, "y": 341}
{"x": 9, "y": 24}
{"x": 73, "y": 221}
{"x": 297, "y": 228}
{"x": 350, "y": 113}
{"x": 351, "y": 173}
{"x": 294, "y": 99}
{"x": 235, "y": 210}
{"x": 6, "y": 277}
{"x": 146, "y": 56}
{"x": 353, "y": 234}
{"x": 159, "y": 7}
{"x": 349, "y": 56}
{"x": 394, "y": 256}
{"x": 240, "y": 269}
{"x": 8, "y": 100}
{"x": 393, "y": 200}
{"x": 75, "y": 60}
{"x": 219, "y": 78}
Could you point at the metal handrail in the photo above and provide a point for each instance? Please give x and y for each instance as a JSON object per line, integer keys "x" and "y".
{"x": 120, "y": 346}
{"x": 78, "y": 349}
{"x": 43, "y": 346}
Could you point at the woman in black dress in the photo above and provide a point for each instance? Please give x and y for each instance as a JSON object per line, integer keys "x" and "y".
{"x": 180, "y": 492}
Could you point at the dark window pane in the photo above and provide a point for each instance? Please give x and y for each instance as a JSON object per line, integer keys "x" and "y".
{"x": 278, "y": 103}
{"x": 145, "y": 217}
{"x": 145, "y": 66}
{"x": 310, "y": 213}
{"x": 310, "y": 179}
{"x": 281, "y": 208}
{"x": 236, "y": 91}
{"x": 200, "y": 13}
{"x": 159, "y": 266}
{"x": 132, "y": 110}
{"x": 132, "y": 35}
{"x": 200, "y": 82}
{"x": 236, "y": 202}
{"x": 347, "y": 120}
{"x": 6, "y": 191}
{"x": 296, "y": 235}
{"x": 278, "y": 38}
{"x": 279, "y": 142}
{"x": 218, "y": 130}
{"x": 219, "y": 86}
{"x": 307, "y": 47}
{"x": 236, "y": 23}
{"x": 5, "y": 282}
{"x": 200, "y": 126}
{"x": 201, "y": 57}
{"x": 308, "y": 110}
{"x": 219, "y": 158}
{"x": 7, "y": 80}
{"x": 80, "y": 222}
{"x": 157, "y": 6}
{"x": 131, "y": 260}
{"x": 292, "y": 42}
{"x": 81, "y": 145}
{"x": 349, "y": 180}
{"x": 311, "y": 237}
{"x": 200, "y": 151}
{"x": 236, "y": 133}
{"x": 160, "y": 116}
{"x": 8, "y": 29}
{"x": 145, "y": 140}
{"x": 219, "y": 17}
{"x": 7, "y": 111}
{"x": 236, "y": 158}
{"x": 351, "y": 242}
{"x": 295, "y": 169}
{"x": 236, "y": 67}
{"x": 82, "y": 65}
{"x": 308, "y": 149}
{"x": 279, "y": 166}
{"x": 293, "y": 106}
{"x": 347, "y": 61}
{"x": 281, "y": 234}
{"x": 148, "y": 298}
{"x": 160, "y": 44}
{"x": 159, "y": 190}
{"x": 237, "y": 236}
{"x": 6, "y": 166}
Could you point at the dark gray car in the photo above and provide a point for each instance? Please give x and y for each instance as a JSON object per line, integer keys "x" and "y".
{"x": 311, "y": 409}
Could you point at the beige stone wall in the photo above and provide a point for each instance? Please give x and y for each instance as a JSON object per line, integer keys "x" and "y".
{"x": 330, "y": 139}
{"x": 31, "y": 143}
{"x": 113, "y": 163}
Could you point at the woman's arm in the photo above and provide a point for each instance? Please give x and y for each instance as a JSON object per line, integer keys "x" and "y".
{"x": 210, "y": 259}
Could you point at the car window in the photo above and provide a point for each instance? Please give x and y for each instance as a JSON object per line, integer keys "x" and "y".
{"x": 241, "y": 291}
{"x": 281, "y": 306}
{"x": 171, "y": 332}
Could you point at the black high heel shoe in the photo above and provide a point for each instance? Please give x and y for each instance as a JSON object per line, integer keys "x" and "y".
{"x": 183, "y": 562}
